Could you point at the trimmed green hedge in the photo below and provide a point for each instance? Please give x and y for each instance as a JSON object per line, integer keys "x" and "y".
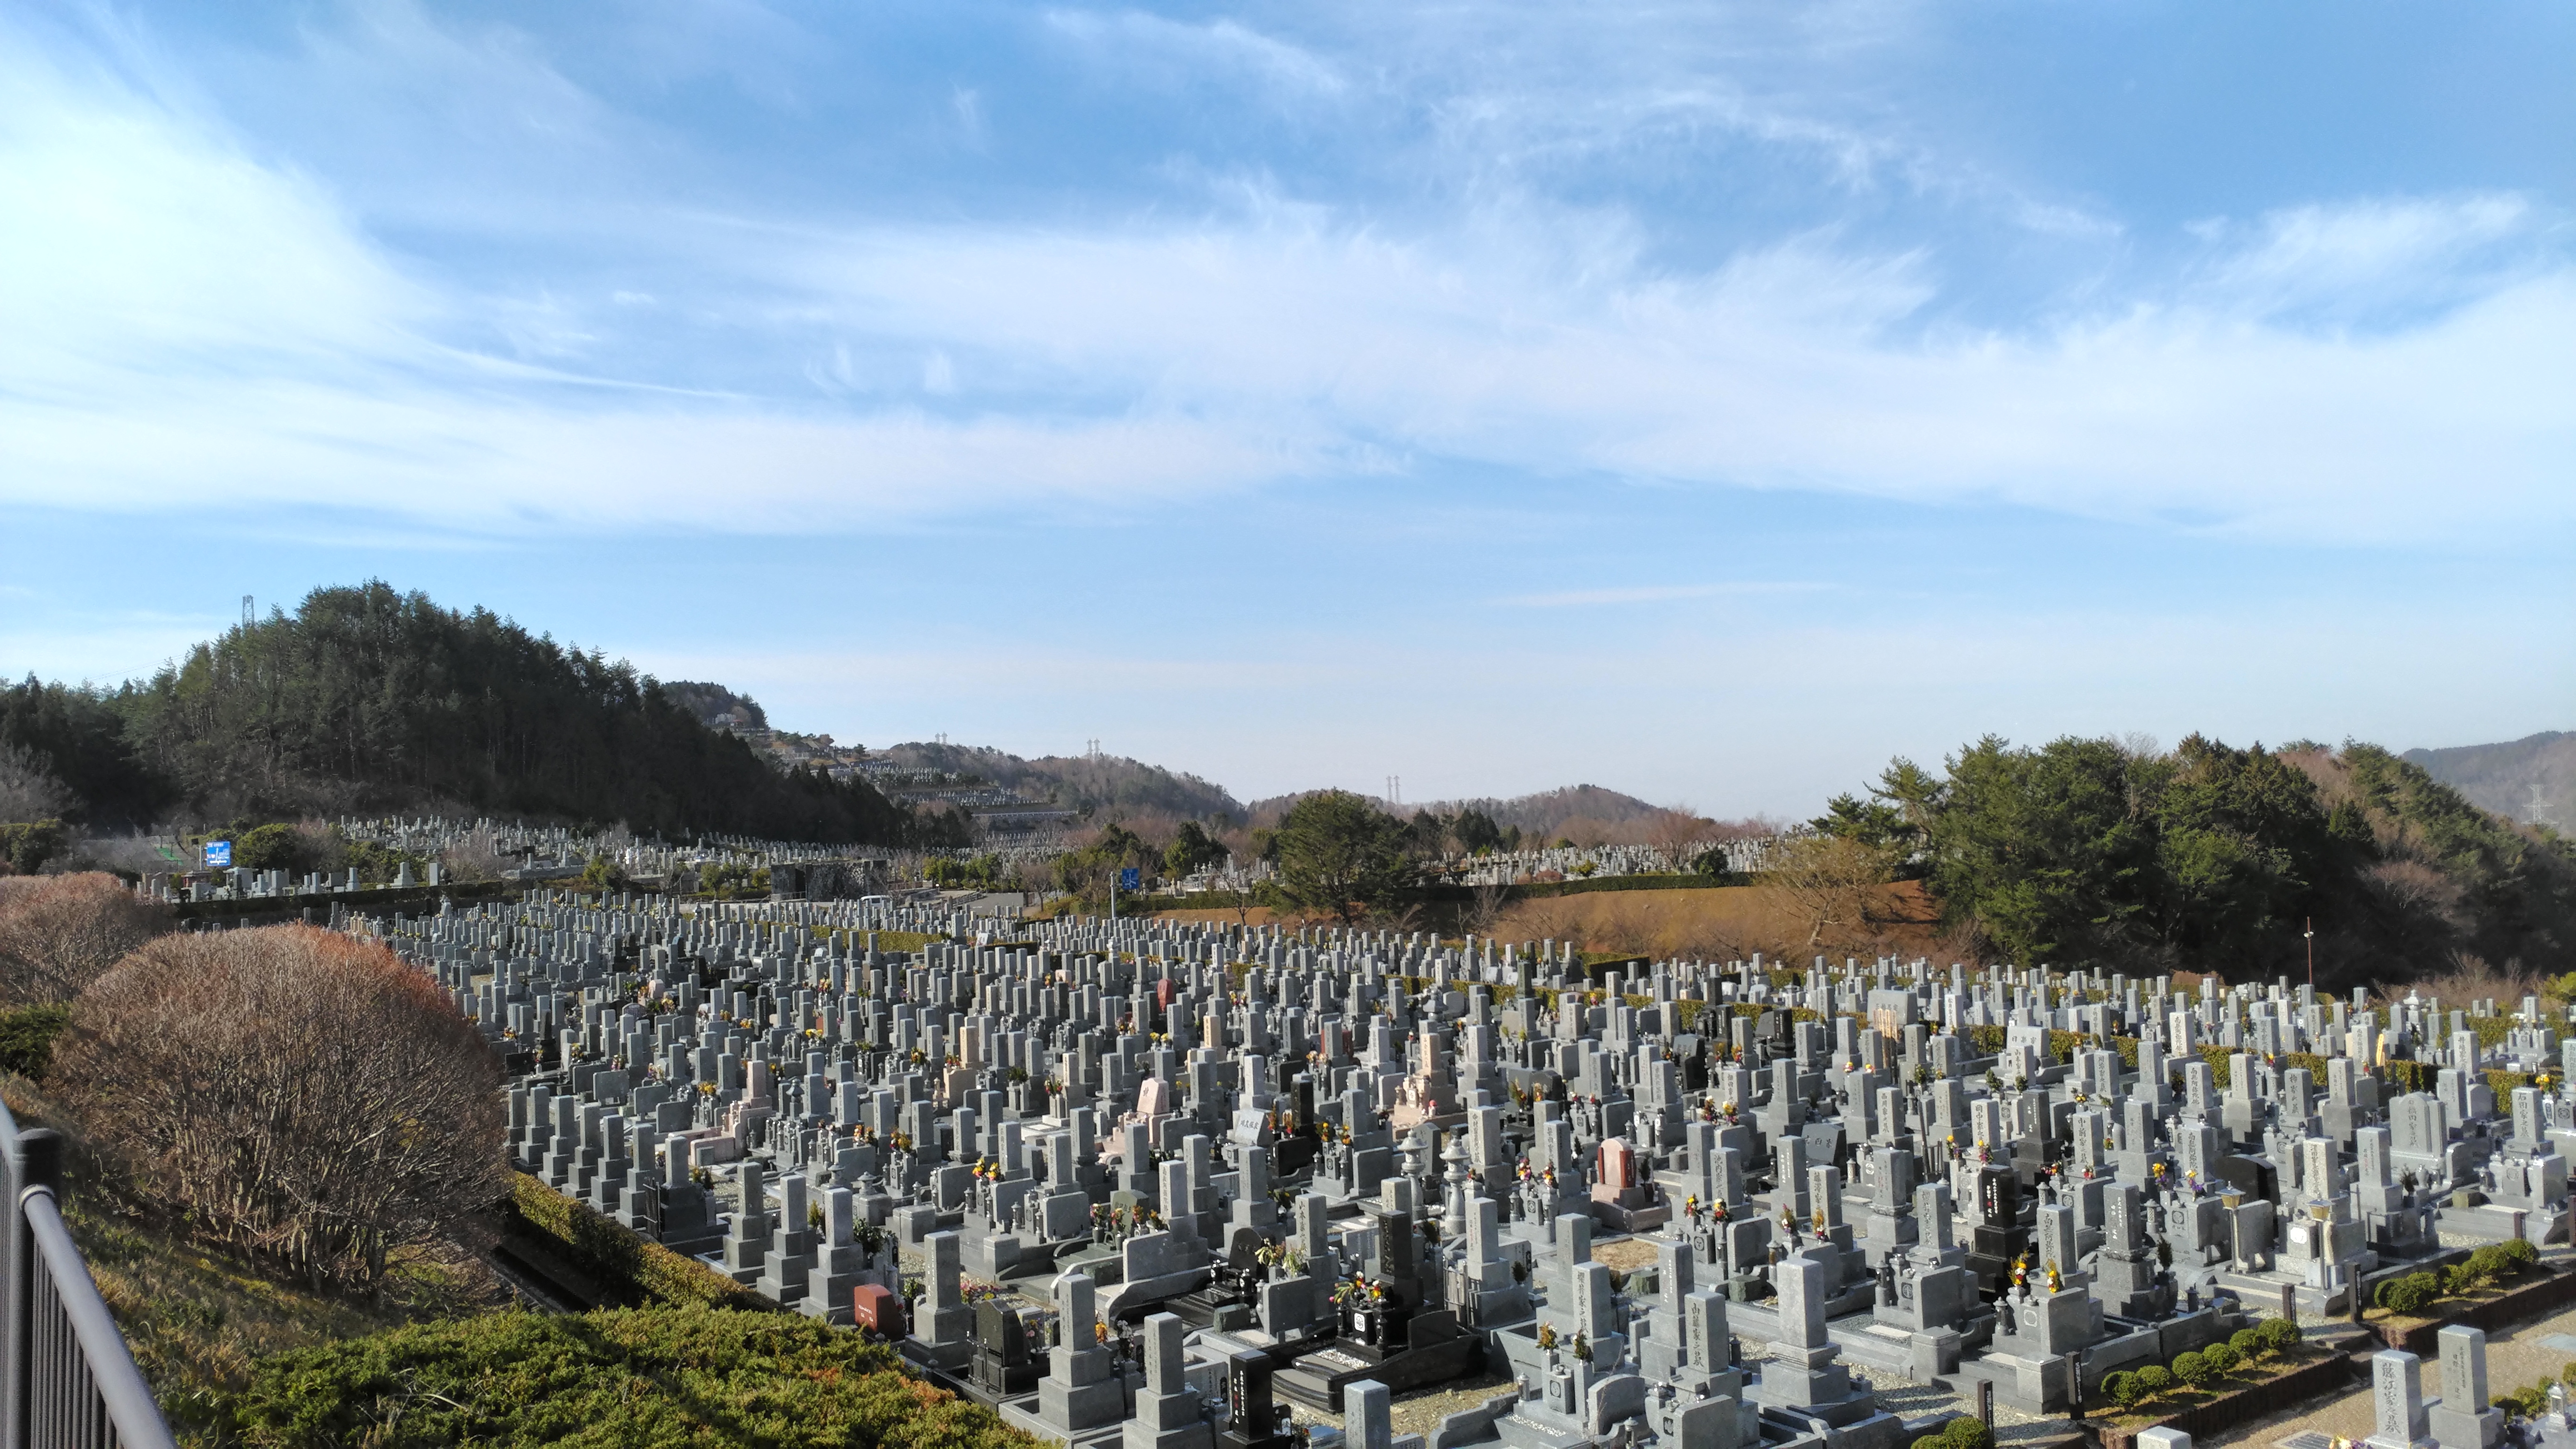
{"x": 647, "y": 1377}
{"x": 1963, "y": 1432}
{"x": 2195, "y": 1368}
{"x": 626, "y": 1267}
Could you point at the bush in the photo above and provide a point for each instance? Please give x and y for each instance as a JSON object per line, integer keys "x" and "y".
{"x": 292, "y": 1093}
{"x": 2248, "y": 1343}
{"x": 2280, "y": 1334}
{"x": 59, "y": 933}
{"x": 2567, "y": 1375}
{"x": 2519, "y": 1256}
{"x": 2193, "y": 1369}
{"x": 2123, "y": 1388}
{"x": 2407, "y": 1296}
{"x": 626, "y": 1267}
{"x": 643, "y": 1377}
{"x": 2154, "y": 1379}
{"x": 26, "y": 845}
{"x": 1967, "y": 1432}
{"x": 2222, "y": 1357}
{"x": 27, "y": 1038}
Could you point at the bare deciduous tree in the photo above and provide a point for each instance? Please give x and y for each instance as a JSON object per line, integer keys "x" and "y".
{"x": 1826, "y": 883}
{"x": 477, "y": 857}
{"x": 59, "y": 932}
{"x": 1679, "y": 832}
{"x": 290, "y": 1092}
{"x": 28, "y": 790}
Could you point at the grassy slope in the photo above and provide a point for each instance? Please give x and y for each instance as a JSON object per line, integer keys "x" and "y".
{"x": 199, "y": 1321}
{"x": 641, "y": 1376}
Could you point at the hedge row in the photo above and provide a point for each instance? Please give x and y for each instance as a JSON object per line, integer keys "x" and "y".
{"x": 2415, "y": 1293}
{"x": 627, "y": 1268}
{"x": 648, "y": 1377}
{"x": 2201, "y": 1367}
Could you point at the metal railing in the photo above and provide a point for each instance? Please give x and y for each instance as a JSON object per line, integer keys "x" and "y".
{"x": 67, "y": 1380}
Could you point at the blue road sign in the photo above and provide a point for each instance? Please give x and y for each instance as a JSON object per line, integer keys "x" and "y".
{"x": 1130, "y": 878}
{"x": 219, "y": 854}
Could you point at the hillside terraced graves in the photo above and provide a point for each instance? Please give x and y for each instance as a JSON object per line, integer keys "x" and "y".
{"x": 1173, "y": 1178}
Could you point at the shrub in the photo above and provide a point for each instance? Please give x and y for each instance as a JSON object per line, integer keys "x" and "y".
{"x": 2464, "y": 1278}
{"x": 2222, "y": 1357}
{"x": 27, "y": 1038}
{"x": 2518, "y": 1255}
{"x": 2407, "y": 1296}
{"x": 291, "y": 1093}
{"x": 2280, "y": 1334}
{"x": 1967, "y": 1432}
{"x": 627, "y": 1268}
{"x": 2193, "y": 1369}
{"x": 2567, "y": 1375}
{"x": 26, "y": 845}
{"x": 2154, "y": 1379}
{"x": 2248, "y": 1343}
{"x": 2123, "y": 1388}
{"x": 59, "y": 933}
{"x": 643, "y": 1377}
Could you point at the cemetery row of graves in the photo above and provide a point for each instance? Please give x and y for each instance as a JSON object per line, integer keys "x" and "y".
{"x": 1175, "y": 1184}
{"x": 407, "y": 853}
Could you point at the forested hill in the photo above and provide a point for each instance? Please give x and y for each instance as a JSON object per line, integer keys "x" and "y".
{"x": 368, "y": 699}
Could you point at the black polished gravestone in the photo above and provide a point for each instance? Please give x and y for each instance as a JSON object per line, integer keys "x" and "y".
{"x": 2251, "y": 1176}
{"x": 1255, "y": 1419}
{"x": 1007, "y": 1360}
{"x": 2000, "y": 1236}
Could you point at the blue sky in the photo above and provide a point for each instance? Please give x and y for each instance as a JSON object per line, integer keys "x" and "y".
{"x": 1704, "y": 401}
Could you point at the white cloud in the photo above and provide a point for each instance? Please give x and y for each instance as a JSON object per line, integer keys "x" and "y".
{"x": 179, "y": 320}
{"x": 2358, "y": 258}
{"x": 1177, "y": 51}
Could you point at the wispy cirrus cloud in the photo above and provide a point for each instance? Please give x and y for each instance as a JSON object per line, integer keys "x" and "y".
{"x": 1651, "y": 594}
{"x": 182, "y": 316}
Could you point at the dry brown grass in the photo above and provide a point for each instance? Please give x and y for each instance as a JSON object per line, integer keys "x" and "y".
{"x": 1724, "y": 923}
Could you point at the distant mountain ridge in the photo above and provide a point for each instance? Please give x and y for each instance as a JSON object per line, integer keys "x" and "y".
{"x": 1590, "y": 813}
{"x": 1107, "y": 786}
{"x": 2503, "y": 778}
{"x": 1100, "y": 785}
